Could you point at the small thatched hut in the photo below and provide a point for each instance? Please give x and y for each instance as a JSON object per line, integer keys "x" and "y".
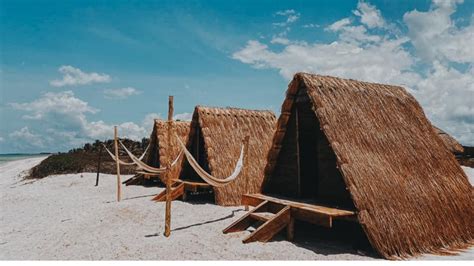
{"x": 215, "y": 141}
{"x": 159, "y": 153}
{"x": 369, "y": 148}
{"x": 451, "y": 143}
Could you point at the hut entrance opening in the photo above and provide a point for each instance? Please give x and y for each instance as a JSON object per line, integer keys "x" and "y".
{"x": 306, "y": 168}
{"x": 198, "y": 189}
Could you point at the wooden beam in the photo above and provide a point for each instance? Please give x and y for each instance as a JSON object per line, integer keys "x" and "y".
{"x": 271, "y": 227}
{"x": 119, "y": 184}
{"x": 298, "y": 167}
{"x": 290, "y": 229}
{"x": 334, "y": 212}
{"x": 176, "y": 192}
{"x": 168, "y": 176}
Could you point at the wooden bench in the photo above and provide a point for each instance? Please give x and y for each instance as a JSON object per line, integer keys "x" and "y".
{"x": 179, "y": 189}
{"x": 276, "y": 214}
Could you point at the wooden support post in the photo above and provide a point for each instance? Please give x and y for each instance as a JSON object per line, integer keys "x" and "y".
{"x": 167, "y": 174}
{"x": 98, "y": 166}
{"x": 290, "y": 229}
{"x": 298, "y": 170}
{"x": 119, "y": 187}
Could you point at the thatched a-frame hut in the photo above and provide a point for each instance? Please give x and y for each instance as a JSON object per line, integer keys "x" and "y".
{"x": 451, "y": 143}
{"x": 215, "y": 141}
{"x": 368, "y": 148}
{"x": 160, "y": 153}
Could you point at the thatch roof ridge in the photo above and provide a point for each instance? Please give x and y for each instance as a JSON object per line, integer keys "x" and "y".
{"x": 223, "y": 131}
{"x": 411, "y": 195}
{"x": 234, "y": 111}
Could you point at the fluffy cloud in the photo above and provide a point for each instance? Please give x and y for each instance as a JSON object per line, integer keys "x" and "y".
{"x": 63, "y": 103}
{"x": 24, "y": 138}
{"x": 436, "y": 37}
{"x": 62, "y": 123}
{"x": 444, "y": 91}
{"x": 121, "y": 93}
{"x": 290, "y": 17}
{"x": 74, "y": 76}
{"x": 369, "y": 15}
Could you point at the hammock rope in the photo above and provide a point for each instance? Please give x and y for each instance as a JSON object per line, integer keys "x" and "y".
{"x": 122, "y": 162}
{"x": 145, "y": 166}
{"x": 211, "y": 180}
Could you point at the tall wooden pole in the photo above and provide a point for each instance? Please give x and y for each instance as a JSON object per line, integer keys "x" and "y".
{"x": 119, "y": 188}
{"x": 168, "y": 166}
{"x": 98, "y": 166}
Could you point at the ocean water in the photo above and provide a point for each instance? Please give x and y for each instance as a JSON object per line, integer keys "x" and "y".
{"x": 4, "y": 158}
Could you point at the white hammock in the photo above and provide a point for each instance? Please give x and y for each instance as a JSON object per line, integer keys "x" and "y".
{"x": 145, "y": 166}
{"x": 122, "y": 162}
{"x": 216, "y": 182}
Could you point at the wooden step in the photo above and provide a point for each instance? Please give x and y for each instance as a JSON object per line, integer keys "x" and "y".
{"x": 274, "y": 216}
{"x": 176, "y": 191}
{"x": 262, "y": 216}
{"x": 270, "y": 228}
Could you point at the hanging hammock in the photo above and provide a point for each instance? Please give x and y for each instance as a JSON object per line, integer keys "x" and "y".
{"x": 211, "y": 180}
{"x": 122, "y": 162}
{"x": 146, "y": 167}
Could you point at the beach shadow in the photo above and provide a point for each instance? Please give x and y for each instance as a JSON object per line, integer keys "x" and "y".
{"x": 138, "y": 197}
{"x": 209, "y": 222}
{"x": 202, "y": 223}
{"x": 341, "y": 239}
{"x": 131, "y": 198}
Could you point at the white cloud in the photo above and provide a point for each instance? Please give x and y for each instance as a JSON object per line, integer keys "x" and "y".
{"x": 121, "y": 93}
{"x": 62, "y": 123}
{"x": 149, "y": 118}
{"x": 436, "y": 37}
{"x": 74, "y": 76}
{"x": 290, "y": 15}
{"x": 26, "y": 138}
{"x": 183, "y": 117}
{"x": 338, "y": 25}
{"x": 446, "y": 93}
{"x": 51, "y": 102}
{"x": 311, "y": 25}
{"x": 369, "y": 15}
{"x": 280, "y": 40}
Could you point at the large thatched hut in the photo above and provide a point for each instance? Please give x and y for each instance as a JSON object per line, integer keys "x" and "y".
{"x": 368, "y": 148}
{"x": 215, "y": 140}
{"x": 160, "y": 153}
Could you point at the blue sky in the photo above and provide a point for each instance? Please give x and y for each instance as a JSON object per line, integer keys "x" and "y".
{"x": 70, "y": 70}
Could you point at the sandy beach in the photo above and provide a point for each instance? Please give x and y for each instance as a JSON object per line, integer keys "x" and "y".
{"x": 66, "y": 217}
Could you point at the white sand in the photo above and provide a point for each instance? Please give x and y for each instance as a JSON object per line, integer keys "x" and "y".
{"x": 66, "y": 217}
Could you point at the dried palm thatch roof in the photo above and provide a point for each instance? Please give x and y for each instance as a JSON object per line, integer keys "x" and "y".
{"x": 160, "y": 153}
{"x": 410, "y": 194}
{"x": 222, "y": 131}
{"x": 451, "y": 143}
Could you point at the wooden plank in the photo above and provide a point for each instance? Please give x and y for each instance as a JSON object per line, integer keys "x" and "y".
{"x": 243, "y": 222}
{"x": 251, "y": 198}
{"x": 176, "y": 192}
{"x": 308, "y": 215}
{"x": 262, "y": 216}
{"x": 270, "y": 228}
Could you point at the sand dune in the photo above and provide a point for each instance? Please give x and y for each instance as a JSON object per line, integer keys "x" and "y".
{"x": 66, "y": 217}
